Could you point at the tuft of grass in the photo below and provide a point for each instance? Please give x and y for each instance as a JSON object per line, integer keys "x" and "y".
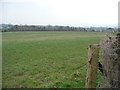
{"x": 46, "y": 59}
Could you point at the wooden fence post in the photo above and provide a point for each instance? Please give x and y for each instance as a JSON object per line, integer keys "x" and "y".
{"x": 93, "y": 56}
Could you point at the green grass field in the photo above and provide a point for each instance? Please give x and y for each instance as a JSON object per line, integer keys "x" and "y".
{"x": 46, "y": 59}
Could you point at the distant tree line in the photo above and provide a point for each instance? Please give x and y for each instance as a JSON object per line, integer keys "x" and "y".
{"x": 12, "y": 28}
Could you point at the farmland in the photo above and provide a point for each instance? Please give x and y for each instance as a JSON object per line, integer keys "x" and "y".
{"x": 46, "y": 59}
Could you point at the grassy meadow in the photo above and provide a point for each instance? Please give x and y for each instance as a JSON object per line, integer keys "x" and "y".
{"x": 46, "y": 59}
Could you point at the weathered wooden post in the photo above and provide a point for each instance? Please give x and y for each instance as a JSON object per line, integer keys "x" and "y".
{"x": 93, "y": 56}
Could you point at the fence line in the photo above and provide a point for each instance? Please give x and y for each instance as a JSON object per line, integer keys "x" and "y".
{"x": 110, "y": 67}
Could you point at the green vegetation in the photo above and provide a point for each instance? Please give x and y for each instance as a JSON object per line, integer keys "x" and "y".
{"x": 46, "y": 59}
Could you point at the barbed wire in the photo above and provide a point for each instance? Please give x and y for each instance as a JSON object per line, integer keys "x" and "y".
{"x": 109, "y": 52}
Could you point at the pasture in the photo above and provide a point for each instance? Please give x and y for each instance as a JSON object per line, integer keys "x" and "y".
{"x": 46, "y": 59}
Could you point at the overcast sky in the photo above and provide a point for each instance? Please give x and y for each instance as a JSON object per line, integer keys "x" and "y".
{"x": 60, "y": 12}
